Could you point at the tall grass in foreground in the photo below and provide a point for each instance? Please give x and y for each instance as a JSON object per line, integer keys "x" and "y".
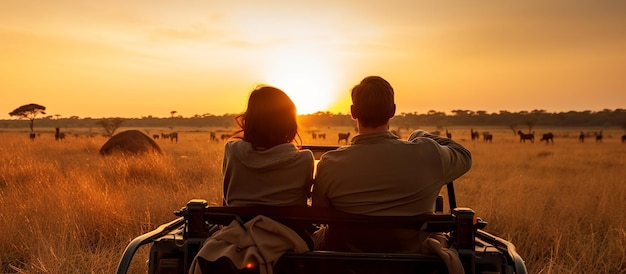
{"x": 65, "y": 209}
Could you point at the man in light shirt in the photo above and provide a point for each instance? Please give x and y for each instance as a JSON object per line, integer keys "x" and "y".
{"x": 379, "y": 174}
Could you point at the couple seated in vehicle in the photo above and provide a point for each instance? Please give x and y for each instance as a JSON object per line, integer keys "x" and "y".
{"x": 377, "y": 174}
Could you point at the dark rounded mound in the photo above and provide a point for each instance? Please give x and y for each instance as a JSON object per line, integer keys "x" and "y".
{"x": 130, "y": 141}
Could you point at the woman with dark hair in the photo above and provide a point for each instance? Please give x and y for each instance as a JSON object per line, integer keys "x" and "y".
{"x": 262, "y": 165}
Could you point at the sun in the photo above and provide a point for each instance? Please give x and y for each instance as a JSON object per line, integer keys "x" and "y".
{"x": 308, "y": 81}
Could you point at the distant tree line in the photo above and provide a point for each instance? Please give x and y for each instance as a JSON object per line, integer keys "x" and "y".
{"x": 604, "y": 118}
{"x": 535, "y": 118}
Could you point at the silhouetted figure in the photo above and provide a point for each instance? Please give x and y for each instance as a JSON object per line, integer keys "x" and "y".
{"x": 475, "y": 134}
{"x": 599, "y": 137}
{"x": 58, "y": 135}
{"x": 581, "y": 137}
{"x": 487, "y": 137}
{"x": 344, "y": 136}
{"x": 174, "y": 136}
{"x": 524, "y": 136}
{"x": 548, "y": 137}
{"x": 623, "y": 138}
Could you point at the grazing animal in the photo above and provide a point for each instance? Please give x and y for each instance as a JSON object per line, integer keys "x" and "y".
{"x": 58, "y": 135}
{"x": 314, "y": 135}
{"x": 322, "y": 136}
{"x": 487, "y": 137}
{"x": 343, "y": 136}
{"x": 548, "y": 137}
{"x": 475, "y": 134}
{"x": 581, "y": 137}
{"x": 174, "y": 135}
{"x": 623, "y": 138}
{"x": 523, "y": 136}
{"x": 155, "y": 136}
{"x": 165, "y": 136}
{"x": 32, "y": 136}
{"x": 224, "y": 136}
{"x": 448, "y": 134}
{"x": 213, "y": 137}
{"x": 599, "y": 137}
{"x": 130, "y": 141}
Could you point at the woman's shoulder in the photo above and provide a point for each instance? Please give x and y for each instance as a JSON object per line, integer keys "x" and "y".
{"x": 306, "y": 153}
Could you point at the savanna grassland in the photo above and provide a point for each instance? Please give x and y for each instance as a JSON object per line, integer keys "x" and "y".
{"x": 66, "y": 209}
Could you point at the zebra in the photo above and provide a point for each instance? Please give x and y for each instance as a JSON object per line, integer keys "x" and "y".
{"x": 523, "y": 136}
{"x": 343, "y": 136}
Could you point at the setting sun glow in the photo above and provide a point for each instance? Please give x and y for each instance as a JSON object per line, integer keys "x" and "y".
{"x": 306, "y": 79}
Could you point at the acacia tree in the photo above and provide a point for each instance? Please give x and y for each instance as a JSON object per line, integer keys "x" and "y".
{"x": 29, "y": 112}
{"x": 110, "y": 125}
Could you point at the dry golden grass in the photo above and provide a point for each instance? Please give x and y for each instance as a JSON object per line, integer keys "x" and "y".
{"x": 65, "y": 209}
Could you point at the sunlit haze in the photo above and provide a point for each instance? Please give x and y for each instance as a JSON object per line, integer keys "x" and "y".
{"x": 140, "y": 58}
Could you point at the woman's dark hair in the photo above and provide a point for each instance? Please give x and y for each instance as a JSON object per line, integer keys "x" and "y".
{"x": 269, "y": 120}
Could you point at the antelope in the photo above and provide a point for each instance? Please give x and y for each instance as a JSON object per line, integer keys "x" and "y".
{"x": 599, "y": 137}
{"x": 322, "y": 136}
{"x": 548, "y": 137}
{"x": 343, "y": 136}
{"x": 174, "y": 135}
{"x": 487, "y": 137}
{"x": 524, "y": 136}
{"x": 581, "y": 137}
{"x": 58, "y": 135}
{"x": 475, "y": 135}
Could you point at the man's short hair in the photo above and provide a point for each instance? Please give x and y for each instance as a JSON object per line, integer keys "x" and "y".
{"x": 373, "y": 101}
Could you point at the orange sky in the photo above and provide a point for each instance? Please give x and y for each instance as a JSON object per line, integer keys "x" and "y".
{"x": 138, "y": 58}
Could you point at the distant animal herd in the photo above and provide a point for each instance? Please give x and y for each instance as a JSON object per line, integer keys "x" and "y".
{"x": 134, "y": 141}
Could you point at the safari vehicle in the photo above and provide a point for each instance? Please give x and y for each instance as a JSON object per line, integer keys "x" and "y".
{"x": 175, "y": 244}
